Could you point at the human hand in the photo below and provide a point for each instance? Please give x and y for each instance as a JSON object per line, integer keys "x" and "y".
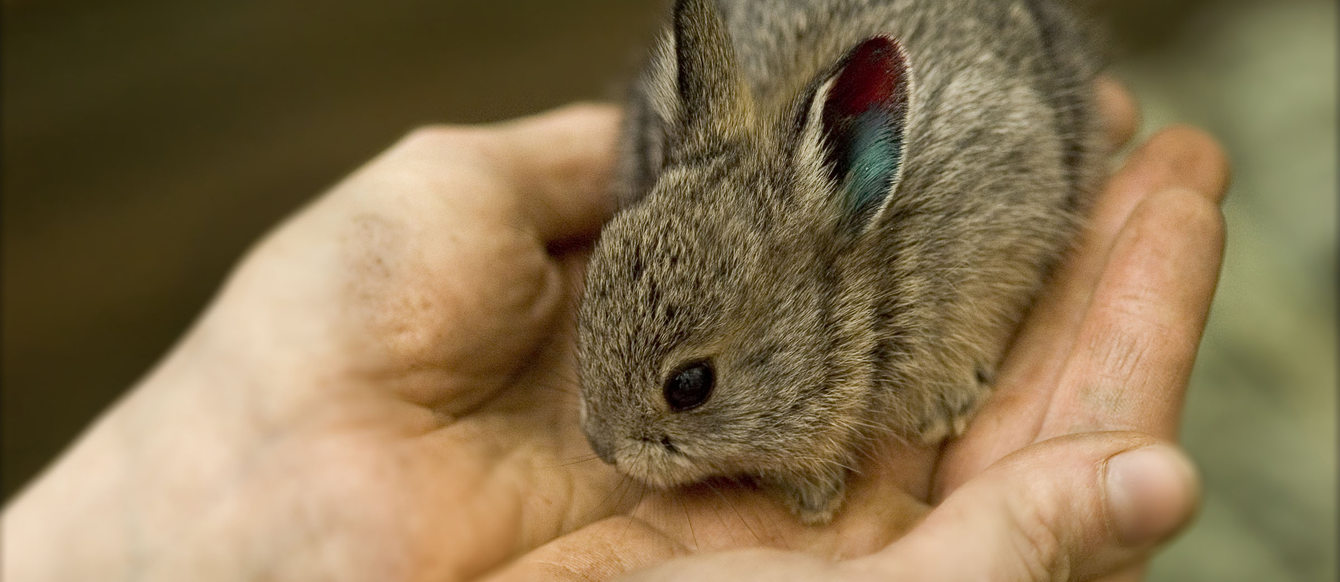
{"x": 1039, "y": 487}
{"x": 383, "y": 391}
{"x": 380, "y": 392}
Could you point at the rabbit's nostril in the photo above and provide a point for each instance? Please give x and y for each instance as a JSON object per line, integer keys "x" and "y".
{"x": 669, "y": 446}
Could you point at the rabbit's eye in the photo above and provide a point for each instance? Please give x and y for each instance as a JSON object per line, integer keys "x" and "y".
{"x": 690, "y": 386}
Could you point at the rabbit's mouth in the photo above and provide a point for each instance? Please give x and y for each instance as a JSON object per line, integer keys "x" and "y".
{"x": 660, "y": 462}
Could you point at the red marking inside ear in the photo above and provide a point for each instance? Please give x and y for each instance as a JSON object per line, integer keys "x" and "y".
{"x": 871, "y": 77}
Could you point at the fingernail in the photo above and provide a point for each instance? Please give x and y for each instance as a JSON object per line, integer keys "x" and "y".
{"x": 1151, "y": 493}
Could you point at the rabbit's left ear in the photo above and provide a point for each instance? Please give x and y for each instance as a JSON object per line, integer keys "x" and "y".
{"x": 858, "y": 116}
{"x": 707, "y": 74}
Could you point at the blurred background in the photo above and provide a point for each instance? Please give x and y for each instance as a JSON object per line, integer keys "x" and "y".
{"x": 148, "y": 142}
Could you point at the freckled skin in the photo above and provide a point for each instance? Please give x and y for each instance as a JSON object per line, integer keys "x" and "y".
{"x": 829, "y": 323}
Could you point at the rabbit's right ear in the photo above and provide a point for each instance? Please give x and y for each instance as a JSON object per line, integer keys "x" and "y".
{"x": 855, "y": 126}
{"x": 706, "y": 73}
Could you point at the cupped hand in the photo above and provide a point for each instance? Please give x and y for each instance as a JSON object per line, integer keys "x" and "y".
{"x": 381, "y": 391}
{"x": 1064, "y": 473}
{"x": 384, "y": 390}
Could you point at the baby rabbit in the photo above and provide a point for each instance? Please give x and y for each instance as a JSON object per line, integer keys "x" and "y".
{"x": 835, "y": 214}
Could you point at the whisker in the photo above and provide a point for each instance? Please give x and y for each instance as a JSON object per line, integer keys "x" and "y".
{"x": 577, "y": 461}
{"x": 605, "y": 505}
{"x": 642, "y": 492}
{"x": 736, "y": 510}
{"x": 689, "y": 518}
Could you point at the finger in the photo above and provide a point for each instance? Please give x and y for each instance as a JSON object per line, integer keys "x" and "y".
{"x": 1120, "y": 113}
{"x": 1133, "y": 573}
{"x": 713, "y": 517}
{"x": 756, "y": 564}
{"x": 548, "y": 173}
{"x": 1137, "y": 343}
{"x": 561, "y": 163}
{"x": 1075, "y": 507}
{"x": 1178, "y": 157}
{"x": 600, "y": 551}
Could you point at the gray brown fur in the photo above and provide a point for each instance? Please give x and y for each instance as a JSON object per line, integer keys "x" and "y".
{"x": 730, "y": 245}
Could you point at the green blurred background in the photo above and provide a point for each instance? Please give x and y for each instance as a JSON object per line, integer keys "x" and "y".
{"x": 147, "y": 142}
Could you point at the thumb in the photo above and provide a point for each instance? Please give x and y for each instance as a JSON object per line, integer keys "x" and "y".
{"x": 1074, "y": 507}
{"x": 561, "y": 163}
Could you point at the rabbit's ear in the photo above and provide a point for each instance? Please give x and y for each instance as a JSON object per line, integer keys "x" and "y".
{"x": 706, "y": 72}
{"x": 857, "y": 120}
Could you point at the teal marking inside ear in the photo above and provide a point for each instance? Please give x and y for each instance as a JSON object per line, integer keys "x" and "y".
{"x": 874, "y": 157}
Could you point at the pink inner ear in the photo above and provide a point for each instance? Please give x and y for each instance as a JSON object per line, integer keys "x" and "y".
{"x": 871, "y": 77}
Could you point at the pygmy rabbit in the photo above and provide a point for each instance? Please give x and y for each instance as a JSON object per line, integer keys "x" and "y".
{"x": 835, "y": 214}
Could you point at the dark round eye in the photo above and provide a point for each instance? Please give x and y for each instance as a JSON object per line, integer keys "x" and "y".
{"x": 690, "y": 386}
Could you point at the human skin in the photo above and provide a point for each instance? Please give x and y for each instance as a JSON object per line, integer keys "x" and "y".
{"x": 384, "y": 390}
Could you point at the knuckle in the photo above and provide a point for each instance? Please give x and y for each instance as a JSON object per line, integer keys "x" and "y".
{"x": 1040, "y": 550}
{"x": 589, "y": 109}
{"x": 1196, "y": 210}
{"x": 1185, "y": 211}
{"x": 430, "y": 133}
{"x": 437, "y": 137}
{"x": 1196, "y": 157}
{"x": 1186, "y": 138}
{"x": 1202, "y": 216}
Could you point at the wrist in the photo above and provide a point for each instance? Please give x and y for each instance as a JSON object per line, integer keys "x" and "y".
{"x": 119, "y": 497}
{"x": 73, "y": 522}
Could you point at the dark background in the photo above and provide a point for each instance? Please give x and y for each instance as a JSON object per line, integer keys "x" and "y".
{"x": 148, "y": 142}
